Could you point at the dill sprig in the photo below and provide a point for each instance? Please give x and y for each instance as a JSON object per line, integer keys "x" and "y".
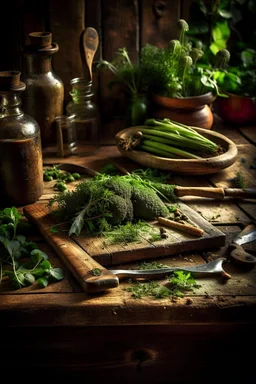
{"x": 239, "y": 180}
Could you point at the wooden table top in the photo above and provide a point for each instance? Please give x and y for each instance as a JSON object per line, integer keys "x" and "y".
{"x": 217, "y": 301}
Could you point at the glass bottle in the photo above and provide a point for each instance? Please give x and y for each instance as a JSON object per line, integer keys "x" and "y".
{"x": 21, "y": 164}
{"x": 84, "y": 118}
{"x": 43, "y": 98}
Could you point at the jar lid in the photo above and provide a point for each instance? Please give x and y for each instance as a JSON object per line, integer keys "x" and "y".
{"x": 10, "y": 81}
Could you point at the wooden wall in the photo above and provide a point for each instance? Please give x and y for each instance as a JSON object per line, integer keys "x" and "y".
{"x": 120, "y": 23}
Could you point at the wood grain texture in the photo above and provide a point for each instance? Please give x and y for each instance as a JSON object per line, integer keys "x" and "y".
{"x": 167, "y": 357}
{"x": 67, "y": 24}
{"x": 77, "y": 260}
{"x": 82, "y": 253}
{"x": 158, "y": 21}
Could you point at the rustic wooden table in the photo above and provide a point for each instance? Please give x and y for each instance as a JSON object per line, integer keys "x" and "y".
{"x": 67, "y": 333}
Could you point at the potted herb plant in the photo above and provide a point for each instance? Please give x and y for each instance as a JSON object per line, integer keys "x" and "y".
{"x": 182, "y": 88}
{"x": 171, "y": 80}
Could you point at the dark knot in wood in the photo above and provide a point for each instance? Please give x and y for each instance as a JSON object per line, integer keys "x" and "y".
{"x": 159, "y": 8}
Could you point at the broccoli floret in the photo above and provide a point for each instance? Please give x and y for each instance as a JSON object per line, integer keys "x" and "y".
{"x": 129, "y": 215}
{"x": 165, "y": 191}
{"x": 147, "y": 204}
{"x": 118, "y": 208}
{"x": 119, "y": 185}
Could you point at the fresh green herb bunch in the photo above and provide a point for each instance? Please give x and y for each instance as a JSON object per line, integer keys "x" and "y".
{"x": 105, "y": 201}
{"x": 176, "y": 70}
{"x": 20, "y": 260}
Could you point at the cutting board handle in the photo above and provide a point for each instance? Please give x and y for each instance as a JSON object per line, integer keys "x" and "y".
{"x": 92, "y": 276}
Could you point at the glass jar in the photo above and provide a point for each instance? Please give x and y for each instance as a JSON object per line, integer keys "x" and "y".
{"x": 21, "y": 163}
{"x": 84, "y": 118}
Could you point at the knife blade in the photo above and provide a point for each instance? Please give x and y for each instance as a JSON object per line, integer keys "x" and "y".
{"x": 247, "y": 235}
{"x": 213, "y": 267}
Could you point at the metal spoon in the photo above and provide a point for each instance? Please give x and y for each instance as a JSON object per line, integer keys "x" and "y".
{"x": 89, "y": 42}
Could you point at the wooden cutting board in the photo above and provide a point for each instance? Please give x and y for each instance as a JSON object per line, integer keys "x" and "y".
{"x": 106, "y": 254}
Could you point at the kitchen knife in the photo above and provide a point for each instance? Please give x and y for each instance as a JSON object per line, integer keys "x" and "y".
{"x": 247, "y": 235}
{"x": 216, "y": 193}
{"x": 237, "y": 254}
{"x": 98, "y": 279}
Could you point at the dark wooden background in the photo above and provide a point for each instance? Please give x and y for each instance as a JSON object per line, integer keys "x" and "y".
{"x": 120, "y": 23}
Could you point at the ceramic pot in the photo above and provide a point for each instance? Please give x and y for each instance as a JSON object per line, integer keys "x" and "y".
{"x": 235, "y": 109}
{"x": 194, "y": 111}
{"x": 43, "y": 98}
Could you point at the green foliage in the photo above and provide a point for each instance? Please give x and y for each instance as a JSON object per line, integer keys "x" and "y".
{"x": 129, "y": 76}
{"x": 104, "y": 203}
{"x": 178, "y": 70}
{"x": 227, "y": 24}
{"x": 239, "y": 181}
{"x": 20, "y": 260}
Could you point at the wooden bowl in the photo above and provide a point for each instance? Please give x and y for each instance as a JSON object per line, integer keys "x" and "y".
{"x": 184, "y": 166}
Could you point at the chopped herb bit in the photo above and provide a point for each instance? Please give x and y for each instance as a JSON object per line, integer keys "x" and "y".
{"x": 239, "y": 181}
{"x": 150, "y": 288}
{"x": 131, "y": 232}
{"x": 96, "y": 272}
{"x": 180, "y": 282}
{"x": 152, "y": 265}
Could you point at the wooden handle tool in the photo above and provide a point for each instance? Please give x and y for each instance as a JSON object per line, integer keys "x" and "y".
{"x": 181, "y": 227}
{"x": 89, "y": 42}
{"x": 216, "y": 193}
{"x": 92, "y": 276}
{"x": 211, "y": 192}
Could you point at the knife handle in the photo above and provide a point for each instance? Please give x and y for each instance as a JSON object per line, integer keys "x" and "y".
{"x": 245, "y": 193}
{"x": 216, "y": 193}
{"x": 82, "y": 266}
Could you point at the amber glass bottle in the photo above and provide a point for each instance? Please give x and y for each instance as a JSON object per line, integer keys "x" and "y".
{"x": 21, "y": 165}
{"x": 43, "y": 98}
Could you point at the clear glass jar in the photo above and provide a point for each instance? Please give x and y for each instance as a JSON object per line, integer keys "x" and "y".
{"x": 21, "y": 162}
{"x": 84, "y": 118}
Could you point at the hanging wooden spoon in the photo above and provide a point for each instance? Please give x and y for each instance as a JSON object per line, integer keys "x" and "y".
{"x": 89, "y": 42}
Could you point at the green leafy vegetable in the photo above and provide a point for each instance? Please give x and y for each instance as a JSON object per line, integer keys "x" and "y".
{"x": 20, "y": 260}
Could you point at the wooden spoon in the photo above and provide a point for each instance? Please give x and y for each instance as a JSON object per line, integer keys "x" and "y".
{"x": 89, "y": 42}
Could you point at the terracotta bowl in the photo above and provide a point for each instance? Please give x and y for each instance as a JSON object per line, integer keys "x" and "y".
{"x": 194, "y": 110}
{"x": 182, "y": 166}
